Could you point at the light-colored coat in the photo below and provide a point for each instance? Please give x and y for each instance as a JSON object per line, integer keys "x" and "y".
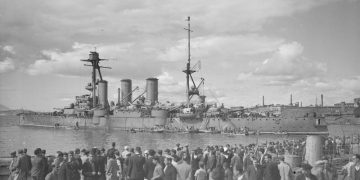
{"x": 158, "y": 172}
{"x": 285, "y": 171}
{"x": 112, "y": 169}
{"x": 183, "y": 170}
{"x": 352, "y": 172}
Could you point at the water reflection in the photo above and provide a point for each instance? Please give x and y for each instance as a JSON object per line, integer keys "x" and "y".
{"x": 14, "y": 137}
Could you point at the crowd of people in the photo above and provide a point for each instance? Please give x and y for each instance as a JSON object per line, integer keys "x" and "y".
{"x": 237, "y": 162}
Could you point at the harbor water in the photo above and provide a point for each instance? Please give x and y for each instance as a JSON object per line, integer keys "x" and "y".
{"x": 13, "y": 137}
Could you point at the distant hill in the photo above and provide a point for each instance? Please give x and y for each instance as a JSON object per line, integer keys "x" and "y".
{"x": 3, "y": 108}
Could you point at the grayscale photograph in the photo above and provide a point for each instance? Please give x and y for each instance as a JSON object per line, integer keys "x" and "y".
{"x": 180, "y": 90}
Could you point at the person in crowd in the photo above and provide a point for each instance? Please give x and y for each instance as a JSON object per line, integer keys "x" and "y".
{"x": 161, "y": 157}
{"x": 13, "y": 170}
{"x": 271, "y": 171}
{"x": 345, "y": 171}
{"x": 355, "y": 169}
{"x": 149, "y": 166}
{"x": 126, "y": 151}
{"x": 228, "y": 172}
{"x": 158, "y": 173}
{"x": 77, "y": 158}
{"x": 72, "y": 167}
{"x": 123, "y": 163}
{"x": 112, "y": 168}
{"x": 84, "y": 155}
{"x": 63, "y": 167}
{"x": 183, "y": 168}
{"x": 196, "y": 156}
{"x": 211, "y": 163}
{"x": 136, "y": 164}
{"x": 170, "y": 172}
{"x": 237, "y": 163}
{"x": 112, "y": 149}
{"x": 46, "y": 164}
{"x": 285, "y": 170}
{"x": 254, "y": 170}
{"x": 101, "y": 163}
{"x": 22, "y": 166}
{"x": 53, "y": 175}
{"x": 305, "y": 173}
{"x": 38, "y": 165}
{"x": 218, "y": 173}
{"x": 89, "y": 168}
{"x": 28, "y": 157}
{"x": 201, "y": 174}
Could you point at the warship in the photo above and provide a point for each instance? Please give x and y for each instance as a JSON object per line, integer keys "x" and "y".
{"x": 146, "y": 113}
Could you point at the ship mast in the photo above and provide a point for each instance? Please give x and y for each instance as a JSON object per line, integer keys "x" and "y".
{"x": 188, "y": 71}
{"x": 94, "y": 60}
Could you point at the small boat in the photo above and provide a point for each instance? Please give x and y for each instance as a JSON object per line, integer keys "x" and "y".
{"x": 281, "y": 133}
{"x": 241, "y": 134}
{"x": 205, "y": 131}
{"x": 157, "y": 130}
{"x": 132, "y": 131}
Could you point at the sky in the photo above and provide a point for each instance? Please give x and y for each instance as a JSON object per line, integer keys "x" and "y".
{"x": 246, "y": 49}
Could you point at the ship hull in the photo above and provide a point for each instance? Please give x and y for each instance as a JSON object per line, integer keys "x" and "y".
{"x": 62, "y": 121}
{"x": 289, "y": 122}
{"x": 126, "y": 123}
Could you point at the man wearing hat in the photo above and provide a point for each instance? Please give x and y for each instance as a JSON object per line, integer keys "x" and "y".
{"x": 38, "y": 165}
{"x": 136, "y": 163}
{"x": 89, "y": 168}
{"x": 170, "y": 172}
{"x": 306, "y": 173}
{"x": 12, "y": 168}
{"x": 22, "y": 165}
{"x": 63, "y": 166}
{"x": 158, "y": 170}
{"x": 28, "y": 158}
{"x": 149, "y": 166}
{"x": 196, "y": 156}
{"x": 72, "y": 167}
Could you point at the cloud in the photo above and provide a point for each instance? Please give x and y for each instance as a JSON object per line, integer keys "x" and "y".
{"x": 9, "y": 49}
{"x": 126, "y": 60}
{"x": 285, "y": 66}
{"x": 7, "y": 65}
{"x": 30, "y": 25}
{"x": 221, "y": 46}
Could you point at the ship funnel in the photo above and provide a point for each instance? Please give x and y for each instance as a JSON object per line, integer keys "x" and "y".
{"x": 126, "y": 92}
{"x": 322, "y": 100}
{"x": 152, "y": 90}
{"x": 103, "y": 96}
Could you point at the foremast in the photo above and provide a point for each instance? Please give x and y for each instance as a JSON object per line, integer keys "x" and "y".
{"x": 94, "y": 60}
